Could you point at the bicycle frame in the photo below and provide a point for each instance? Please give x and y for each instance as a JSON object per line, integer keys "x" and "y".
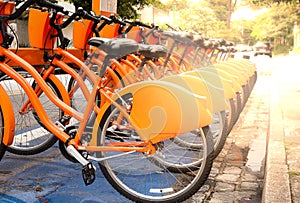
{"x": 42, "y": 114}
{"x": 136, "y": 119}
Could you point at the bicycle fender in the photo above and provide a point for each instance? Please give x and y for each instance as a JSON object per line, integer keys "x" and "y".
{"x": 216, "y": 101}
{"x": 228, "y": 68}
{"x": 216, "y": 81}
{"x": 243, "y": 65}
{"x": 8, "y": 116}
{"x": 244, "y": 70}
{"x": 235, "y": 80}
{"x": 162, "y": 110}
{"x": 62, "y": 89}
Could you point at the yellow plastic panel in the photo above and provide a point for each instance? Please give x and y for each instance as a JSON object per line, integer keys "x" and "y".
{"x": 201, "y": 87}
{"x": 245, "y": 64}
{"x": 228, "y": 68}
{"x": 236, "y": 84}
{"x": 163, "y": 110}
{"x": 234, "y": 64}
{"x": 224, "y": 86}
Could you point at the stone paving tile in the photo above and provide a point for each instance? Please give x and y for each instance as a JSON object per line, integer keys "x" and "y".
{"x": 295, "y": 185}
{"x": 230, "y": 180}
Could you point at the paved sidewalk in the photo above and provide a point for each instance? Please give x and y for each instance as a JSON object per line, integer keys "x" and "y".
{"x": 260, "y": 160}
{"x": 238, "y": 172}
{"x": 282, "y": 177}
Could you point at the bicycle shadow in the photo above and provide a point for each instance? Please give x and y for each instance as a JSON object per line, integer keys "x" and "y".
{"x": 10, "y": 199}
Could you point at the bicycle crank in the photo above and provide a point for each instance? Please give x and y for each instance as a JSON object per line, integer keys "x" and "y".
{"x": 88, "y": 169}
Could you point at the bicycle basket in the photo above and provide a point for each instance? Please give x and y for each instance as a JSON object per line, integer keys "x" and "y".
{"x": 40, "y": 32}
{"x": 135, "y": 34}
{"x": 82, "y": 32}
{"x": 110, "y": 31}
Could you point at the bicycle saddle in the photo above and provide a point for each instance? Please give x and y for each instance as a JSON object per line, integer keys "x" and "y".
{"x": 115, "y": 46}
{"x": 181, "y": 37}
{"x": 152, "y": 51}
{"x": 198, "y": 39}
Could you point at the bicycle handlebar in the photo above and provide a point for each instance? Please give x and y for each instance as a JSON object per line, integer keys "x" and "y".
{"x": 43, "y": 3}
{"x": 138, "y": 23}
{"x": 20, "y": 10}
{"x": 84, "y": 14}
{"x": 48, "y": 4}
{"x": 107, "y": 21}
{"x": 117, "y": 20}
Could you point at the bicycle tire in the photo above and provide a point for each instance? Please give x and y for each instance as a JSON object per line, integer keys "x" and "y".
{"x": 29, "y": 128}
{"x": 231, "y": 115}
{"x": 3, "y": 147}
{"x": 217, "y": 131}
{"x": 220, "y": 138}
{"x": 178, "y": 158}
{"x": 137, "y": 176}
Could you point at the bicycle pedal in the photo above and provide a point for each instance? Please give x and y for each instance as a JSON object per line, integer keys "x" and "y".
{"x": 88, "y": 174}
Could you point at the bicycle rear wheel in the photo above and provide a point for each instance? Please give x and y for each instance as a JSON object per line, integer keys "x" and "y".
{"x": 167, "y": 176}
{"x": 30, "y": 135}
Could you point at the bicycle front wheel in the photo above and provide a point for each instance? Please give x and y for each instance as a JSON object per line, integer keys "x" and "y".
{"x": 2, "y": 146}
{"x": 152, "y": 178}
{"x": 30, "y": 135}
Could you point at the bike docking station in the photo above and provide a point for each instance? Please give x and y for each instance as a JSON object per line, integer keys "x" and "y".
{"x": 151, "y": 107}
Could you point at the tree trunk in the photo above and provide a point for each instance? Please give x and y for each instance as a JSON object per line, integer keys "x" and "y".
{"x": 231, "y": 5}
{"x": 229, "y": 15}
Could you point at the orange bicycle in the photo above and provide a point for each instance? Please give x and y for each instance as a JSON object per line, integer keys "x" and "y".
{"x": 136, "y": 167}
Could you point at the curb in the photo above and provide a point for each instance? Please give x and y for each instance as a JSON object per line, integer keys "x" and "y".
{"x": 276, "y": 179}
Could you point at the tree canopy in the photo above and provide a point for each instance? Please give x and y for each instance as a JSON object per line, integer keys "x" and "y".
{"x": 270, "y": 2}
{"x": 213, "y": 18}
{"x": 129, "y": 8}
{"x": 276, "y": 25}
{"x": 125, "y": 8}
{"x": 85, "y": 4}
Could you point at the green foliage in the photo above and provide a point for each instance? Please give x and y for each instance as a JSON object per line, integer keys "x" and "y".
{"x": 125, "y": 8}
{"x": 271, "y": 2}
{"x": 291, "y": 172}
{"x": 276, "y": 25}
{"x": 281, "y": 49}
{"x": 128, "y": 8}
{"x": 200, "y": 20}
{"x": 196, "y": 16}
{"x": 85, "y": 4}
{"x": 220, "y": 8}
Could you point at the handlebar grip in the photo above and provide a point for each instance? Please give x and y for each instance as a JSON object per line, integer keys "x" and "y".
{"x": 144, "y": 25}
{"x": 87, "y": 16}
{"x": 127, "y": 21}
{"x": 116, "y": 20}
{"x": 48, "y": 4}
{"x": 106, "y": 19}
